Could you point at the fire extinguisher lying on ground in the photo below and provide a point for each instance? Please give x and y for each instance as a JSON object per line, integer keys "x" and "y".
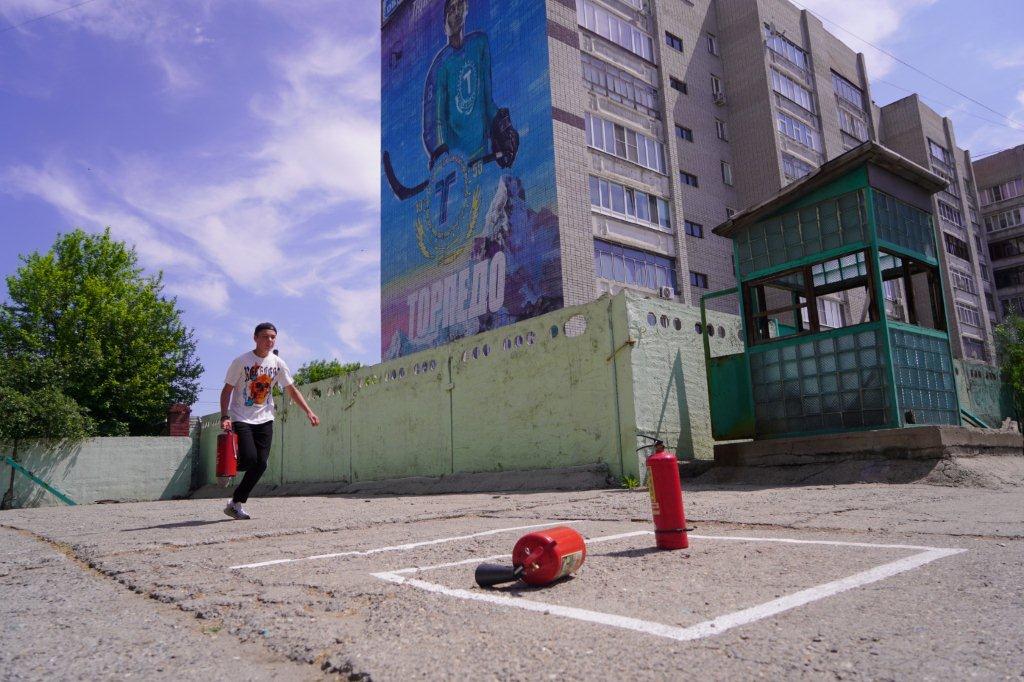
{"x": 227, "y": 457}
{"x": 666, "y": 496}
{"x": 539, "y": 558}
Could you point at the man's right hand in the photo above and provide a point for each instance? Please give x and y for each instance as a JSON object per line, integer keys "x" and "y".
{"x": 225, "y": 424}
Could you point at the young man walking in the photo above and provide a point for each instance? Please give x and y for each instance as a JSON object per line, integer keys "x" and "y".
{"x": 247, "y": 407}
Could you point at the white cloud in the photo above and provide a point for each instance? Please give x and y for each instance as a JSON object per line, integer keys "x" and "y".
{"x": 874, "y": 21}
{"x": 1008, "y": 59}
{"x": 210, "y": 293}
{"x": 358, "y": 316}
{"x": 58, "y": 188}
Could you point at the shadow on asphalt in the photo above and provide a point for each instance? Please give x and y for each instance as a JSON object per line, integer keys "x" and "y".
{"x": 179, "y": 524}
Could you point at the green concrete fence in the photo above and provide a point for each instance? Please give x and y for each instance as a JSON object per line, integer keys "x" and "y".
{"x": 570, "y": 388}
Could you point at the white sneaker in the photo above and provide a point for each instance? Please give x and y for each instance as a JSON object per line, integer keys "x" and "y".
{"x": 235, "y": 511}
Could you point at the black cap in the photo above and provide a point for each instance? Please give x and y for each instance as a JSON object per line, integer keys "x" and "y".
{"x": 264, "y": 325}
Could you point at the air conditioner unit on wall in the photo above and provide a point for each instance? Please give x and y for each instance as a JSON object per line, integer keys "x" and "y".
{"x": 666, "y": 292}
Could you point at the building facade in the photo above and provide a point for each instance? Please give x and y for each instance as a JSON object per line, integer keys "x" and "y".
{"x": 1000, "y": 179}
{"x": 915, "y": 131}
{"x": 666, "y": 117}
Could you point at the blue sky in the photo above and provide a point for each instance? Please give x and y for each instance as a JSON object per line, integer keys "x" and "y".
{"x": 235, "y": 143}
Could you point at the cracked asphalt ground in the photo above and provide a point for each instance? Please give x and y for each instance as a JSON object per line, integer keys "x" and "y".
{"x": 147, "y": 590}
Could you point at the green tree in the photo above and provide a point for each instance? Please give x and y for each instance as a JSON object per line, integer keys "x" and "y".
{"x": 1010, "y": 346}
{"x": 83, "y": 321}
{"x": 315, "y": 370}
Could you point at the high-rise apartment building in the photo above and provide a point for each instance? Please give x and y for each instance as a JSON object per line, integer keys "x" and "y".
{"x": 665, "y": 118}
{"x": 912, "y": 129}
{"x": 1000, "y": 179}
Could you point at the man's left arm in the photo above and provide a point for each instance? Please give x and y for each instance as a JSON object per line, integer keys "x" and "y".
{"x": 296, "y": 395}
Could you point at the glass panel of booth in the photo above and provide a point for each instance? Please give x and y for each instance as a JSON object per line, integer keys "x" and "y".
{"x": 840, "y": 291}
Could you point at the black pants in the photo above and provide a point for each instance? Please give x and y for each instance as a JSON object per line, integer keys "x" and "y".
{"x": 253, "y": 453}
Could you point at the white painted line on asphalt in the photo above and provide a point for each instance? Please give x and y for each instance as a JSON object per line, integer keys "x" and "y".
{"x": 700, "y": 630}
{"x": 590, "y": 541}
{"x": 398, "y": 548}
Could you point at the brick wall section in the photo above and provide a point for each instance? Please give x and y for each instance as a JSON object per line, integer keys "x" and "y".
{"x": 178, "y": 420}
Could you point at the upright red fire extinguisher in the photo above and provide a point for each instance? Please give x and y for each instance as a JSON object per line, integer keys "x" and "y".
{"x": 666, "y": 498}
{"x": 227, "y": 457}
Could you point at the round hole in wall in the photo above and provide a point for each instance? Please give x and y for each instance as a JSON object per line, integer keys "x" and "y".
{"x": 519, "y": 342}
{"x": 739, "y": 334}
{"x": 711, "y": 330}
{"x": 531, "y": 338}
{"x": 476, "y": 352}
{"x": 554, "y": 330}
{"x": 401, "y": 373}
{"x": 507, "y": 344}
{"x": 664, "y": 321}
{"x": 677, "y": 323}
{"x": 465, "y": 355}
{"x": 487, "y": 349}
{"x": 575, "y": 326}
{"x": 433, "y": 365}
{"x": 697, "y": 328}
{"x": 721, "y": 331}
{"x": 652, "y": 319}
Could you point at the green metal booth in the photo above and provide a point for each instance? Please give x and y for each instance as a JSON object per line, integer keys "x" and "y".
{"x": 840, "y": 293}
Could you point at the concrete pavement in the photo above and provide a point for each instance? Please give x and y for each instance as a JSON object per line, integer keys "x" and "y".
{"x": 321, "y": 587}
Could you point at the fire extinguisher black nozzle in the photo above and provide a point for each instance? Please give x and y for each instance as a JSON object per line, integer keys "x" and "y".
{"x": 488, "y": 575}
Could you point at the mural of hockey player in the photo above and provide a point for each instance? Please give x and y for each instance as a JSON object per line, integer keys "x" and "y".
{"x": 459, "y": 113}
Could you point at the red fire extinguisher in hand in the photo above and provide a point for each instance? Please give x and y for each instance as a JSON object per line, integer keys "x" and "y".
{"x": 666, "y": 497}
{"x": 227, "y": 457}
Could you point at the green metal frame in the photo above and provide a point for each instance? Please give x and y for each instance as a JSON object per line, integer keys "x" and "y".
{"x": 9, "y": 461}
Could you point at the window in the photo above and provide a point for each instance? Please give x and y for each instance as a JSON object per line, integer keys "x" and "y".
{"x": 684, "y": 133}
{"x": 785, "y": 48}
{"x": 984, "y": 272}
{"x": 974, "y": 348}
{"x": 720, "y": 130}
{"x": 694, "y": 229}
{"x": 1009, "y": 277}
{"x": 1001, "y": 221}
{"x": 698, "y": 279}
{"x": 1007, "y": 190}
{"x": 962, "y": 281}
{"x": 620, "y": 86}
{"x": 633, "y": 267}
{"x": 716, "y": 85}
{"x": 848, "y": 92}
{"x": 950, "y": 214}
{"x": 799, "y": 131}
{"x": 831, "y": 314}
{"x": 712, "y": 44}
{"x": 726, "y": 173}
{"x": 957, "y": 247}
{"x": 677, "y": 84}
{"x": 617, "y": 30}
{"x": 688, "y": 179}
{"x": 624, "y": 143}
{"x": 968, "y": 314}
{"x": 794, "y": 168}
{"x": 853, "y": 126}
{"x": 1014, "y": 305}
{"x": 940, "y": 153}
{"x": 990, "y": 302}
{"x": 673, "y": 41}
{"x": 788, "y": 88}
{"x": 632, "y": 204}
{"x": 1006, "y": 249}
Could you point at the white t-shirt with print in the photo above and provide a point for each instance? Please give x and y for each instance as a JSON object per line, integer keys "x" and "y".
{"x": 253, "y": 378}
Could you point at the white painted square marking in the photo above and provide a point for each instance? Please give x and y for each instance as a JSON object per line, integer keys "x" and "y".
{"x": 704, "y": 629}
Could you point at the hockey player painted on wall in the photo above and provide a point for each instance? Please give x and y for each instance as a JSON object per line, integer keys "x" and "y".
{"x": 469, "y": 235}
